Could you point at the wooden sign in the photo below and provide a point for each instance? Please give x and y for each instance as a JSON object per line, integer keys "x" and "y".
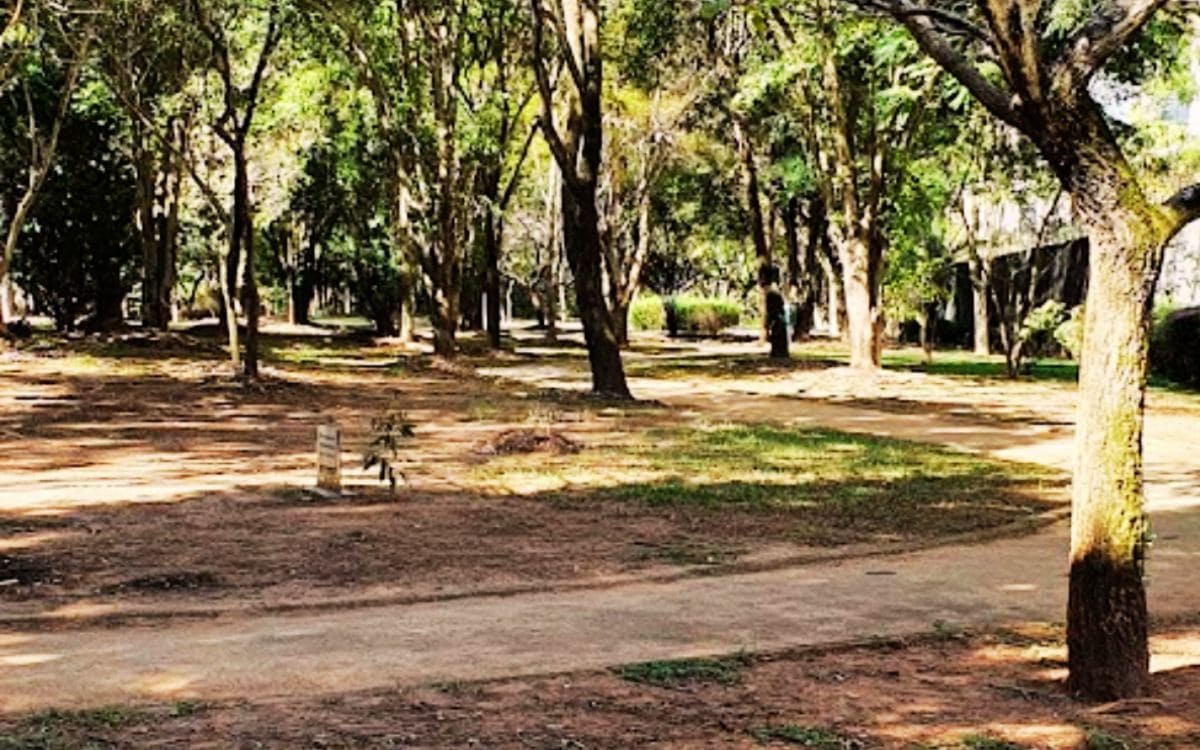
{"x": 329, "y": 457}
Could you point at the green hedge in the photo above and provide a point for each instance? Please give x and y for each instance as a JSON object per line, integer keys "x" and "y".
{"x": 1175, "y": 346}
{"x": 648, "y": 313}
{"x": 706, "y": 315}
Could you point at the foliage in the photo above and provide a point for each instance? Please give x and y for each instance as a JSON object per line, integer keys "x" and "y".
{"x": 1175, "y": 346}
{"x": 802, "y": 736}
{"x": 983, "y": 742}
{"x": 726, "y": 671}
{"x": 648, "y": 313}
{"x": 77, "y": 249}
{"x": 390, "y": 433}
{"x": 1040, "y": 327}
{"x": 704, "y": 315}
{"x": 1069, "y": 333}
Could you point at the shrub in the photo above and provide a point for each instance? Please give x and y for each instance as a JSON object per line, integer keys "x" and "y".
{"x": 1175, "y": 346}
{"x": 1069, "y": 333}
{"x": 647, "y": 313}
{"x": 1039, "y": 327}
{"x": 706, "y": 315}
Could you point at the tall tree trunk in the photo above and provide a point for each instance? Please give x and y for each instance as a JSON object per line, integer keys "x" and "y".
{"x": 492, "y": 238}
{"x": 758, "y": 230}
{"x": 244, "y": 225}
{"x": 147, "y": 227}
{"x": 552, "y": 290}
{"x": 1106, "y": 615}
{"x": 802, "y": 263}
{"x": 578, "y": 155}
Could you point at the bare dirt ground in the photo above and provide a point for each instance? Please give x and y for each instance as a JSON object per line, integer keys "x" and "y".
{"x": 999, "y": 691}
{"x": 143, "y": 481}
{"x": 133, "y": 477}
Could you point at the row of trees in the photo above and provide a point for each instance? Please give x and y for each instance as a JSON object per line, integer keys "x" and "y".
{"x": 419, "y": 152}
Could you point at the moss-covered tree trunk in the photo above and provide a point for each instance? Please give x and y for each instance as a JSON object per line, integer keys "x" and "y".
{"x": 1107, "y": 616}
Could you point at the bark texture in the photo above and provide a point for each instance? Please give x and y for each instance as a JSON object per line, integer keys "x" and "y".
{"x": 577, "y": 150}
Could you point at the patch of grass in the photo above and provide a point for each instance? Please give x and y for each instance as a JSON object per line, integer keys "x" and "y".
{"x": 814, "y": 737}
{"x": 182, "y": 709}
{"x": 946, "y": 631}
{"x": 70, "y": 730}
{"x": 1099, "y": 740}
{"x": 723, "y": 671}
{"x": 983, "y": 742}
{"x": 836, "y": 487}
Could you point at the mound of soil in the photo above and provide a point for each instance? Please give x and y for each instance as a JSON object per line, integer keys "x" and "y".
{"x": 531, "y": 441}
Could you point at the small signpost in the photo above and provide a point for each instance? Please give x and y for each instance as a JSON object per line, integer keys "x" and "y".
{"x": 329, "y": 458}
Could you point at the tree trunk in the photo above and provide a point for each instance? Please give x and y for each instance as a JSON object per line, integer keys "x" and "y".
{"x": 445, "y": 321}
{"x": 1106, "y": 615}
{"x": 758, "y": 231}
{"x": 979, "y": 298}
{"x": 244, "y": 224}
{"x": 228, "y": 311}
{"x": 620, "y": 319}
{"x": 581, "y": 240}
{"x": 862, "y": 307}
{"x": 492, "y": 238}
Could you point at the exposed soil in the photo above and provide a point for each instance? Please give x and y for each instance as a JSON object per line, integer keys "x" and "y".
{"x": 289, "y": 546}
{"x": 150, "y": 477}
{"x": 945, "y": 691}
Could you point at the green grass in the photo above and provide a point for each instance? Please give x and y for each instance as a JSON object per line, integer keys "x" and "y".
{"x": 70, "y": 730}
{"x": 836, "y": 487}
{"x": 1099, "y": 740}
{"x": 801, "y": 736}
{"x": 983, "y": 742}
{"x": 723, "y": 671}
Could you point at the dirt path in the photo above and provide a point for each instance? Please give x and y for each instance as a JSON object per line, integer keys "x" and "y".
{"x": 314, "y": 654}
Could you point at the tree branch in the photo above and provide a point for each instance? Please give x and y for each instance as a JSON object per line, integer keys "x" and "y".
{"x": 918, "y": 22}
{"x": 1112, "y": 26}
{"x": 1184, "y": 207}
{"x": 558, "y": 149}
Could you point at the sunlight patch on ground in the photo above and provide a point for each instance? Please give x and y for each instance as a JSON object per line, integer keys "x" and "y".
{"x": 164, "y": 685}
{"x": 27, "y": 660}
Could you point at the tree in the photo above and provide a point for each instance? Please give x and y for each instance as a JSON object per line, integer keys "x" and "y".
{"x": 1030, "y": 63}
{"x": 577, "y": 147}
{"x": 873, "y": 103}
{"x": 56, "y": 40}
{"x": 78, "y": 250}
{"x": 147, "y": 58}
{"x": 233, "y": 124}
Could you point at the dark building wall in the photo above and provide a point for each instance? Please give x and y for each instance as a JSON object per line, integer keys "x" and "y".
{"x": 1062, "y": 276}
